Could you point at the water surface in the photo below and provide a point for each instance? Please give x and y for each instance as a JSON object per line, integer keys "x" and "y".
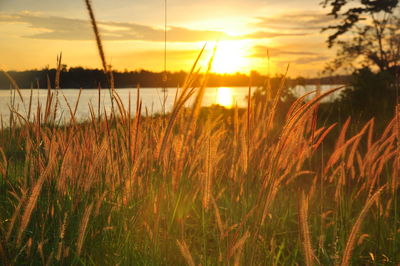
{"x": 154, "y": 101}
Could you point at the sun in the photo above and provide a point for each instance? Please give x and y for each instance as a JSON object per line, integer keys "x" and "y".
{"x": 231, "y": 57}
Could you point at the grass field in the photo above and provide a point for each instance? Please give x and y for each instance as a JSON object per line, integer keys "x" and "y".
{"x": 196, "y": 186}
{"x": 211, "y": 188}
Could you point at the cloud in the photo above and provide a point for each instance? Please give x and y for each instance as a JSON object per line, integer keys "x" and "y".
{"x": 300, "y": 57}
{"x": 271, "y": 34}
{"x": 171, "y": 54}
{"x": 264, "y": 51}
{"x": 310, "y": 60}
{"x": 299, "y": 21}
{"x": 60, "y": 28}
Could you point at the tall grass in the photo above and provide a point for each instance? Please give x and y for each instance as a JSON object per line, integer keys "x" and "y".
{"x": 209, "y": 188}
{"x": 102, "y": 192}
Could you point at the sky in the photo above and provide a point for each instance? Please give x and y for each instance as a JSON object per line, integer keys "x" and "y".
{"x": 261, "y": 35}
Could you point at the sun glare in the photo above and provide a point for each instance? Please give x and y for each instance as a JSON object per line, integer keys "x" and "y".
{"x": 230, "y": 57}
{"x": 225, "y": 97}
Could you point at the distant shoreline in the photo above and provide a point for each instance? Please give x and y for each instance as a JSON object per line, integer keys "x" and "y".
{"x": 173, "y": 88}
{"x": 93, "y": 78}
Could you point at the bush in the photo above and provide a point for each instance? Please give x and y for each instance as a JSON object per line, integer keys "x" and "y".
{"x": 370, "y": 95}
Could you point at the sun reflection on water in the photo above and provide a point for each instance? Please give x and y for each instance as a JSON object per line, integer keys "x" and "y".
{"x": 224, "y": 97}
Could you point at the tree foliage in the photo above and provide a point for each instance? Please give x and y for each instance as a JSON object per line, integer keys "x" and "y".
{"x": 370, "y": 95}
{"x": 366, "y": 32}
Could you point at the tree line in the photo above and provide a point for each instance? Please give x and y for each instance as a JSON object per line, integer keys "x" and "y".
{"x": 78, "y": 77}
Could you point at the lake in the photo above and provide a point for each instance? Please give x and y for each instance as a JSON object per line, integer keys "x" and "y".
{"x": 152, "y": 99}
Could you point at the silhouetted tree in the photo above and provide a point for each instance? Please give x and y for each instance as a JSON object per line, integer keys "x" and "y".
{"x": 370, "y": 95}
{"x": 366, "y": 33}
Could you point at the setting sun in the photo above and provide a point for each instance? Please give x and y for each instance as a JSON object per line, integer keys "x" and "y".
{"x": 230, "y": 57}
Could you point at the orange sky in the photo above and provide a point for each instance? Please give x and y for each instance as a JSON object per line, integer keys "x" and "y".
{"x": 32, "y": 33}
